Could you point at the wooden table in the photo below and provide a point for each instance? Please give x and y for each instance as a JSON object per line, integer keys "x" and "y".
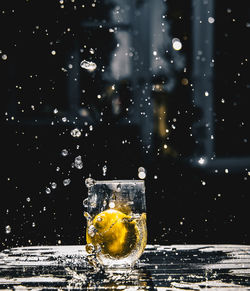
{"x": 175, "y": 267}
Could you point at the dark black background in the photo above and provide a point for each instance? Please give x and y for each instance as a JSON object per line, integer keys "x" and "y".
{"x": 180, "y": 208}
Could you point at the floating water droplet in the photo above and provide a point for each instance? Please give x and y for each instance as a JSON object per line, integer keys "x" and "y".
{"x": 55, "y": 111}
{"x": 91, "y": 51}
{"x": 91, "y": 127}
{"x": 48, "y": 190}
{"x": 7, "y": 229}
{"x": 92, "y": 230}
{"x": 85, "y": 202}
{"x": 4, "y": 57}
{"x": 78, "y": 163}
{"x": 89, "y": 182}
{"x": 53, "y": 185}
{"x": 141, "y": 173}
{"x": 104, "y": 170}
{"x": 33, "y": 224}
{"x": 89, "y": 66}
{"x": 64, "y": 152}
{"x": 75, "y": 132}
{"x": 66, "y": 182}
{"x": 28, "y": 199}
{"x": 64, "y": 119}
{"x": 57, "y": 169}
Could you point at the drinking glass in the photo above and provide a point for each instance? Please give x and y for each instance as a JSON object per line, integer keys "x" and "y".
{"x": 116, "y": 221}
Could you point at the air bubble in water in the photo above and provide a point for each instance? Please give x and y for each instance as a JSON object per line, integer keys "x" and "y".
{"x": 89, "y": 182}
{"x": 75, "y": 132}
{"x": 64, "y": 152}
{"x": 78, "y": 163}
{"x": 48, "y": 190}
{"x": 7, "y": 229}
{"x": 53, "y": 185}
{"x": 104, "y": 170}
{"x": 66, "y": 182}
{"x": 89, "y": 66}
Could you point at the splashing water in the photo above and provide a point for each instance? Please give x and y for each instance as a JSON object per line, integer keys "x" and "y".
{"x": 75, "y": 132}
{"x": 89, "y": 182}
{"x": 89, "y": 66}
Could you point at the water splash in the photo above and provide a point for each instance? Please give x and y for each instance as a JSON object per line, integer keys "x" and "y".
{"x": 89, "y": 182}
{"x": 89, "y": 66}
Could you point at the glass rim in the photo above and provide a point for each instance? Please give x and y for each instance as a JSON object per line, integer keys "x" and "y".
{"x": 118, "y": 181}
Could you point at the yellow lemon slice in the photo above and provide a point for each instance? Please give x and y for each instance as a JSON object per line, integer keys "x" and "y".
{"x": 114, "y": 232}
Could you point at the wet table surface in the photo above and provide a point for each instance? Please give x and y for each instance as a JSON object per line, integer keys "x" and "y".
{"x": 175, "y": 267}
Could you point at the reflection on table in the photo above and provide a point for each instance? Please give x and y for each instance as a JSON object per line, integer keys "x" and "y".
{"x": 175, "y": 267}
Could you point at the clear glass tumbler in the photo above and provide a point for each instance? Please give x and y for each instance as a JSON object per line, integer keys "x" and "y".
{"x": 116, "y": 221}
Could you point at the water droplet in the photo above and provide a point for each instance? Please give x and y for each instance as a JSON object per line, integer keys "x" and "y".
{"x": 64, "y": 152}
{"x": 89, "y": 182}
{"x": 28, "y": 199}
{"x": 33, "y": 224}
{"x": 85, "y": 202}
{"x": 91, "y": 51}
{"x": 89, "y": 66}
{"x": 53, "y": 185}
{"x": 104, "y": 170}
{"x": 64, "y": 119}
{"x": 7, "y": 229}
{"x": 75, "y": 132}
{"x": 4, "y": 57}
{"x": 91, "y": 127}
{"x": 92, "y": 230}
{"x": 141, "y": 173}
{"x": 66, "y": 182}
{"x": 48, "y": 190}
{"x": 55, "y": 111}
{"x": 57, "y": 169}
{"x": 78, "y": 163}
